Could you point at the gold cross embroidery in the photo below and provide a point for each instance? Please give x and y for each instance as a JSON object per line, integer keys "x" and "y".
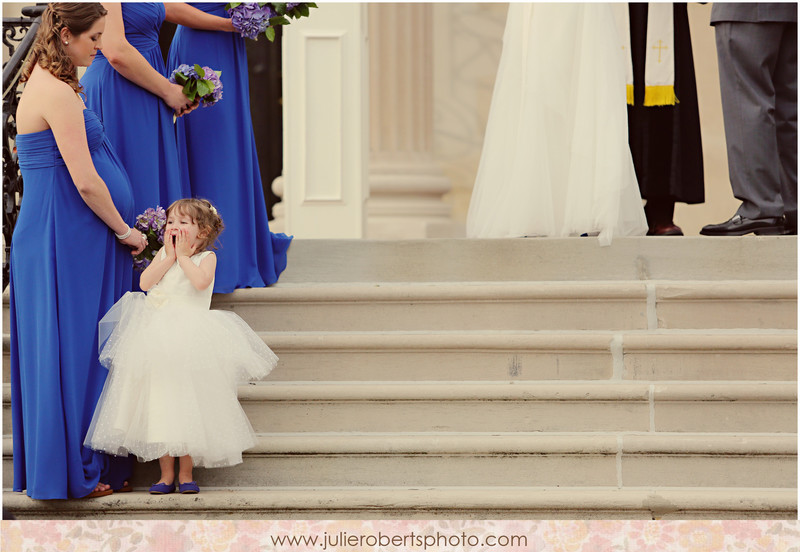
{"x": 659, "y": 48}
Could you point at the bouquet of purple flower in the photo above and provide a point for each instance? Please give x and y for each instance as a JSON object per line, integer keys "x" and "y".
{"x": 199, "y": 82}
{"x": 150, "y": 223}
{"x": 253, "y": 18}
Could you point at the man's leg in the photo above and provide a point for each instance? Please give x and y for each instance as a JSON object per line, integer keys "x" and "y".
{"x": 748, "y": 55}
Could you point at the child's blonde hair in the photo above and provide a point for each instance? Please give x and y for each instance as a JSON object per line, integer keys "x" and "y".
{"x": 205, "y": 215}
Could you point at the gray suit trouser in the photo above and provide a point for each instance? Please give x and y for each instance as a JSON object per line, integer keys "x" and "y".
{"x": 758, "y": 81}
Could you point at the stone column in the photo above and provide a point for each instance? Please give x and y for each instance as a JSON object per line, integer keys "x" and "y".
{"x": 406, "y": 184}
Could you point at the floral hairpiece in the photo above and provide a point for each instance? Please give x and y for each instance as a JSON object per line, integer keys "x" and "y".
{"x": 213, "y": 209}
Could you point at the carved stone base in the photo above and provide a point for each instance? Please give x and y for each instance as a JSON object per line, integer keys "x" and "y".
{"x": 406, "y": 199}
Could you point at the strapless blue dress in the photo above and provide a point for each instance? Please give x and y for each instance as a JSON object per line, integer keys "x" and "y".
{"x": 67, "y": 270}
{"x": 138, "y": 123}
{"x": 218, "y": 151}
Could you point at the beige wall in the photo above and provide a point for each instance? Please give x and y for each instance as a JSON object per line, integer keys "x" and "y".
{"x": 467, "y": 46}
{"x": 467, "y": 41}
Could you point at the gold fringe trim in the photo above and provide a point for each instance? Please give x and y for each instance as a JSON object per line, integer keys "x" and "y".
{"x": 629, "y": 92}
{"x": 660, "y": 95}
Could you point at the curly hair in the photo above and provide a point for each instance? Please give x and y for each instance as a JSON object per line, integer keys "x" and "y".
{"x": 205, "y": 215}
{"x": 48, "y": 51}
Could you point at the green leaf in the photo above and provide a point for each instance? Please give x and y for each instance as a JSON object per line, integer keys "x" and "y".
{"x": 270, "y": 32}
{"x": 231, "y": 5}
{"x": 303, "y": 10}
{"x": 219, "y": 74}
{"x": 278, "y": 21}
{"x": 191, "y": 95}
{"x": 199, "y": 71}
{"x": 188, "y": 87}
{"x": 204, "y": 88}
{"x": 279, "y": 7}
{"x": 181, "y": 79}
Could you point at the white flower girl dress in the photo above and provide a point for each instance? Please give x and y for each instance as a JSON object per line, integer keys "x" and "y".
{"x": 174, "y": 369}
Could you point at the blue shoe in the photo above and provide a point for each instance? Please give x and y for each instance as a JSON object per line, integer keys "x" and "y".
{"x": 162, "y": 488}
{"x": 188, "y": 488}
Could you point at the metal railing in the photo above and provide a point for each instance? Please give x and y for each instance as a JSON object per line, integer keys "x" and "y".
{"x": 18, "y": 36}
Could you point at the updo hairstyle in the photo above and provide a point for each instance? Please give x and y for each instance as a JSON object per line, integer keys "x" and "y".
{"x": 48, "y": 49}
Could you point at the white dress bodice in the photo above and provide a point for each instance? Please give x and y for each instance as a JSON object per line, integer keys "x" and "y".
{"x": 175, "y": 286}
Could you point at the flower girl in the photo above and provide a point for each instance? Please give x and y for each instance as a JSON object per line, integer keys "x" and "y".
{"x": 174, "y": 364}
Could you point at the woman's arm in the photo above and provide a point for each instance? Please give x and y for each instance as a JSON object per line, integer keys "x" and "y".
{"x": 189, "y": 16}
{"x": 64, "y": 113}
{"x": 131, "y": 64}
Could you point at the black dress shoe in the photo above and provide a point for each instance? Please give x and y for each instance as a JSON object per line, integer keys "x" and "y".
{"x": 665, "y": 230}
{"x": 790, "y": 225}
{"x": 738, "y": 225}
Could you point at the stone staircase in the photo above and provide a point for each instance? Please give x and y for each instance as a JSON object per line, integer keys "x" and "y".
{"x": 527, "y": 378}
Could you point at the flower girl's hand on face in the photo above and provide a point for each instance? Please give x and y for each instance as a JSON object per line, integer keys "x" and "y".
{"x": 182, "y": 245}
{"x": 169, "y": 243}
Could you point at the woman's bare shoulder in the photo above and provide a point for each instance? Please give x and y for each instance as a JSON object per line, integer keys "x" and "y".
{"x": 43, "y": 93}
{"x": 47, "y": 84}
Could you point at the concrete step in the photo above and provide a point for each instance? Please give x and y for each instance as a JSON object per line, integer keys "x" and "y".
{"x": 540, "y": 355}
{"x": 502, "y": 459}
{"x": 472, "y": 502}
{"x": 519, "y": 406}
{"x": 292, "y": 407}
{"x": 552, "y": 259}
{"x": 615, "y": 305}
{"x": 417, "y": 356}
{"x": 516, "y": 306}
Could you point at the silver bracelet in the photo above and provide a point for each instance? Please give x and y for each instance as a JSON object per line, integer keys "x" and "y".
{"x": 125, "y": 235}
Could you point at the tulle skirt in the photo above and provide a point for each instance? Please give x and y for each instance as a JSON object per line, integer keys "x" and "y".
{"x": 555, "y": 158}
{"x": 172, "y": 387}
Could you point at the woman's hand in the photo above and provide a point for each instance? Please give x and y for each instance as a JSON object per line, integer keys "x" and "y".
{"x": 182, "y": 246}
{"x": 194, "y": 105}
{"x": 227, "y": 25}
{"x": 136, "y": 241}
{"x": 174, "y": 97}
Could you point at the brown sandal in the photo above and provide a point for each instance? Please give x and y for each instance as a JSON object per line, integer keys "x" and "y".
{"x": 126, "y": 488}
{"x": 95, "y": 494}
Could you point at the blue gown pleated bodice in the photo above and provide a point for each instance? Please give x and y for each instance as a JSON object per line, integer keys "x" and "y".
{"x": 227, "y": 172}
{"x": 139, "y": 123}
{"x": 67, "y": 269}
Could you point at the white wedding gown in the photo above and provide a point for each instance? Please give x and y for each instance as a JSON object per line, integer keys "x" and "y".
{"x": 555, "y": 158}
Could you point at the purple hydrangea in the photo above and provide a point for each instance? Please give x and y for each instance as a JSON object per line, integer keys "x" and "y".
{"x": 250, "y": 19}
{"x": 150, "y": 223}
{"x": 187, "y": 70}
{"x": 216, "y": 94}
{"x": 189, "y": 77}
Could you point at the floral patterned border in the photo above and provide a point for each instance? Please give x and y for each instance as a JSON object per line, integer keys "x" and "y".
{"x": 503, "y": 536}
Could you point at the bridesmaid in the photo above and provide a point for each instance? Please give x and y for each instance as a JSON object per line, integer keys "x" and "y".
{"x": 226, "y": 172}
{"x": 67, "y": 265}
{"x": 128, "y": 87}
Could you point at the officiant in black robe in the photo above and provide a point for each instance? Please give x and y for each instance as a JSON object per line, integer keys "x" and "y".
{"x": 665, "y": 140}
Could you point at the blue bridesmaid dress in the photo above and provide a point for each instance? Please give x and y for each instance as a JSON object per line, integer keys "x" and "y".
{"x": 218, "y": 150}
{"x": 67, "y": 270}
{"x": 137, "y": 122}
